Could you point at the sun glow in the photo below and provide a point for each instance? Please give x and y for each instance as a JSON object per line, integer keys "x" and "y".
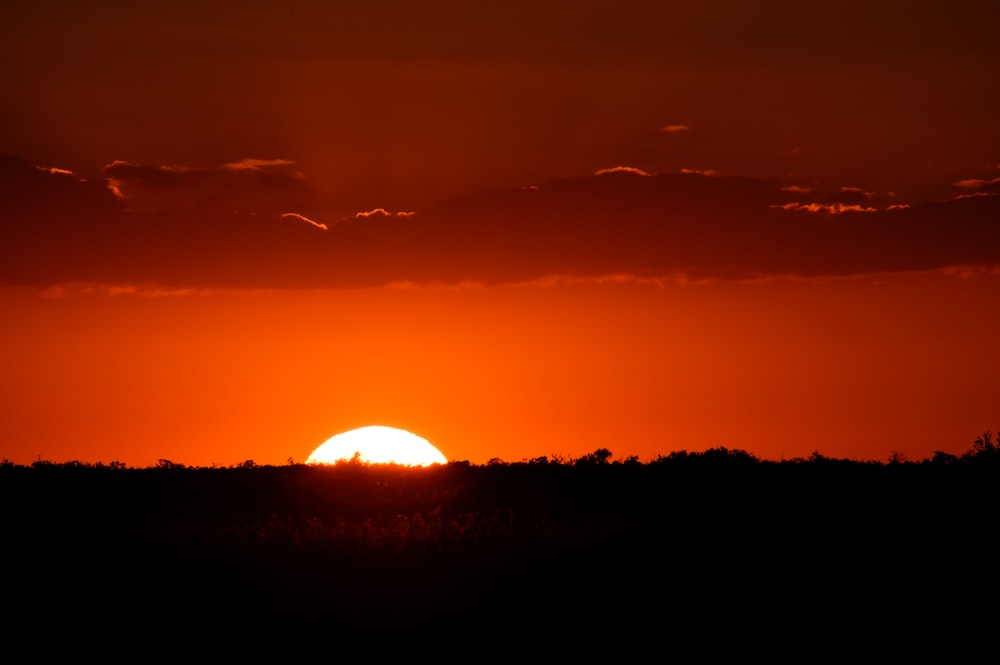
{"x": 376, "y": 444}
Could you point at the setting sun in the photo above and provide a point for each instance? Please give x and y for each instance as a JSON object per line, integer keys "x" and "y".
{"x": 376, "y": 444}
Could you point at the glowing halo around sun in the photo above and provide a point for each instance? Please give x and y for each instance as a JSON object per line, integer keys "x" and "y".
{"x": 376, "y": 444}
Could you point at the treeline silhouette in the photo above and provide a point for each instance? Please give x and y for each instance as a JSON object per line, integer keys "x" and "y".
{"x": 614, "y": 546}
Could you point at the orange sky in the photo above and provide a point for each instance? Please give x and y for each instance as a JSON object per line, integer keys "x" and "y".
{"x": 231, "y": 230}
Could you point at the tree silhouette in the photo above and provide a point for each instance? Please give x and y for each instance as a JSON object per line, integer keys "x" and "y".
{"x": 941, "y": 457}
{"x": 600, "y": 456}
{"x": 984, "y": 449}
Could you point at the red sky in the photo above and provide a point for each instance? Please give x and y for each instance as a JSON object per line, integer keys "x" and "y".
{"x": 230, "y": 230}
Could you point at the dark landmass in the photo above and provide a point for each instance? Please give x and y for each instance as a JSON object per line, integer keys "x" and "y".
{"x": 581, "y": 553}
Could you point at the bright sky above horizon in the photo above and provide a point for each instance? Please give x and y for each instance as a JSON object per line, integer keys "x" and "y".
{"x": 230, "y": 230}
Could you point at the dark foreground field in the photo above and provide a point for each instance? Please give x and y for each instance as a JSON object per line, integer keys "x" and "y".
{"x": 757, "y": 555}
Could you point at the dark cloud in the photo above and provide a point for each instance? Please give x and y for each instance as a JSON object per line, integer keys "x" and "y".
{"x": 51, "y": 223}
{"x": 250, "y": 184}
{"x": 711, "y": 227}
{"x": 57, "y": 229}
{"x": 24, "y": 186}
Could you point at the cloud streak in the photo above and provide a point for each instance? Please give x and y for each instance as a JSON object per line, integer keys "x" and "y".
{"x": 303, "y": 218}
{"x": 977, "y": 183}
{"x": 382, "y": 212}
{"x": 256, "y": 164}
{"x": 622, "y": 169}
{"x": 828, "y": 208}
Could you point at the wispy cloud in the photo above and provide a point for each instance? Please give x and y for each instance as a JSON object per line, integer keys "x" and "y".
{"x": 303, "y": 218}
{"x": 256, "y": 164}
{"x": 829, "y": 208}
{"x": 98, "y": 289}
{"x": 976, "y": 195}
{"x": 382, "y": 212}
{"x": 704, "y": 172}
{"x": 115, "y": 187}
{"x": 54, "y": 170}
{"x": 674, "y": 129}
{"x": 859, "y": 191}
{"x": 976, "y": 183}
{"x": 622, "y": 169}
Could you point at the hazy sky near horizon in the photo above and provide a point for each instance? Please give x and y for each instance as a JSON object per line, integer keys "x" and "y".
{"x": 230, "y": 230}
